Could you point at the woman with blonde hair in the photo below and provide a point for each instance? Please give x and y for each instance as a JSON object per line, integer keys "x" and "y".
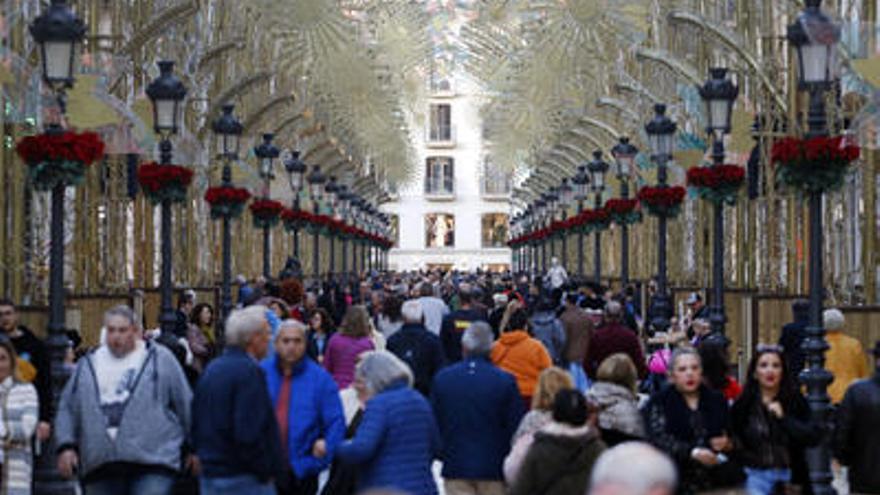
{"x": 344, "y": 347}
{"x": 615, "y": 394}
{"x": 17, "y": 424}
{"x": 550, "y": 382}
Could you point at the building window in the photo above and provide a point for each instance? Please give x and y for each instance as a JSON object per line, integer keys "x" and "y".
{"x": 440, "y": 175}
{"x": 494, "y": 230}
{"x": 441, "y": 122}
{"x": 439, "y": 230}
{"x": 495, "y": 181}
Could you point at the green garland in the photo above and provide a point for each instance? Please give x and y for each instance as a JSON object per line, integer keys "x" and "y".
{"x": 717, "y": 195}
{"x": 173, "y": 191}
{"x": 631, "y": 218}
{"x": 266, "y": 222}
{"x": 45, "y": 175}
{"x": 226, "y": 210}
{"x": 818, "y": 178}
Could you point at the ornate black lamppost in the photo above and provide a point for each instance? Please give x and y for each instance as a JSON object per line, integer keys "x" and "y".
{"x": 331, "y": 192}
{"x": 344, "y": 212}
{"x": 597, "y": 167}
{"x": 719, "y": 93}
{"x": 515, "y": 258}
{"x": 57, "y": 32}
{"x": 581, "y": 180}
{"x": 316, "y": 191}
{"x": 370, "y": 218}
{"x": 296, "y": 172}
{"x": 227, "y": 130}
{"x": 552, "y": 200}
{"x": 661, "y": 133}
{"x": 356, "y": 204}
{"x": 267, "y": 152}
{"x": 166, "y": 92}
{"x": 624, "y": 157}
{"x": 566, "y": 198}
{"x": 540, "y": 218}
{"x": 815, "y": 36}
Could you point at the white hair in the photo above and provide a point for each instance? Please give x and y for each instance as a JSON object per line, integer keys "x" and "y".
{"x": 290, "y": 323}
{"x": 832, "y": 319}
{"x": 242, "y": 324}
{"x": 477, "y": 339}
{"x": 633, "y": 468}
{"x": 412, "y": 311}
{"x": 379, "y": 369}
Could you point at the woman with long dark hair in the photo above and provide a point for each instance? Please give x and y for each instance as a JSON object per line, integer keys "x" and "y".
{"x": 771, "y": 425}
{"x": 321, "y": 328}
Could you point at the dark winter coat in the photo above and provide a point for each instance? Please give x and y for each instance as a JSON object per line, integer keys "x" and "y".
{"x": 794, "y": 431}
{"x": 857, "y": 436}
{"x": 234, "y": 430}
{"x": 478, "y": 407}
{"x": 676, "y": 429}
{"x": 421, "y": 350}
{"x": 452, "y": 329}
{"x": 559, "y": 461}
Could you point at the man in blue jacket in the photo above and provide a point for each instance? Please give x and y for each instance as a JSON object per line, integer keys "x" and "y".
{"x": 234, "y": 432}
{"x": 417, "y": 347}
{"x": 478, "y": 408}
{"x": 307, "y": 408}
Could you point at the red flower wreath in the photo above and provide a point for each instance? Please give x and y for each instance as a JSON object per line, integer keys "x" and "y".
{"x": 266, "y": 213}
{"x": 161, "y": 182}
{"x": 623, "y": 211}
{"x": 226, "y": 201}
{"x": 717, "y": 183}
{"x": 815, "y": 164}
{"x": 59, "y": 157}
{"x": 662, "y": 200}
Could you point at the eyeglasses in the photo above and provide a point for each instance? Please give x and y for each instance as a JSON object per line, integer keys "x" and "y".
{"x": 762, "y": 348}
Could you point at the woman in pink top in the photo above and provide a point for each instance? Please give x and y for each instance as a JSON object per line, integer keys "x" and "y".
{"x": 347, "y": 344}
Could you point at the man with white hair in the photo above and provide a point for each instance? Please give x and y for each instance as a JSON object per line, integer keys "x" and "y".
{"x": 845, "y": 359}
{"x": 234, "y": 430}
{"x": 417, "y": 347}
{"x": 307, "y": 408}
{"x": 124, "y": 414}
{"x": 633, "y": 468}
{"x": 478, "y": 408}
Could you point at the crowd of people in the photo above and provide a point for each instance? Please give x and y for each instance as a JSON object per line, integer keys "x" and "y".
{"x": 510, "y": 384}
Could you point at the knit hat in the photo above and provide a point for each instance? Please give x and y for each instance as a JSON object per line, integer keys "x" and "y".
{"x": 832, "y": 319}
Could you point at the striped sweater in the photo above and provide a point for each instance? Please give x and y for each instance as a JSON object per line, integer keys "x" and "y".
{"x": 20, "y": 414}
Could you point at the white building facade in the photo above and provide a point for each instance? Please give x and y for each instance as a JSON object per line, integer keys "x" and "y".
{"x": 453, "y": 214}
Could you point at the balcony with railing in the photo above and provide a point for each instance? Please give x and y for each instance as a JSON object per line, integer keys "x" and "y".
{"x": 495, "y": 186}
{"x": 440, "y": 188}
{"x": 440, "y": 136}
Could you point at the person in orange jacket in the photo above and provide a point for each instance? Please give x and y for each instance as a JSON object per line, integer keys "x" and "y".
{"x": 519, "y": 354}
{"x": 845, "y": 359}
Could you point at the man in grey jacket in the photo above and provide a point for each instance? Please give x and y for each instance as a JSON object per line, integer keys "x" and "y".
{"x": 124, "y": 413}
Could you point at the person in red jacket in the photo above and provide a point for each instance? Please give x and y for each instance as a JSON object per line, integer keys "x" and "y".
{"x": 613, "y": 337}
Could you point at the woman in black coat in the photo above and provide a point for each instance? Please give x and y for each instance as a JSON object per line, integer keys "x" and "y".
{"x": 689, "y": 422}
{"x": 771, "y": 426}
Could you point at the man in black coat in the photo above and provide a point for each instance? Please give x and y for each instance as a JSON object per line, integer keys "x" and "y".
{"x": 417, "y": 347}
{"x": 32, "y": 350}
{"x": 857, "y": 435}
{"x": 793, "y": 335}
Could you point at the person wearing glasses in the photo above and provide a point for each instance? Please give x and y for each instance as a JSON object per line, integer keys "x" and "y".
{"x": 32, "y": 355}
{"x": 771, "y": 425}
